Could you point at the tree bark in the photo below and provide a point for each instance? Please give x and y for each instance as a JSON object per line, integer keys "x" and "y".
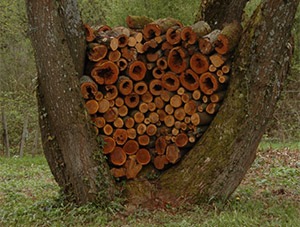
{"x": 69, "y": 145}
{"x": 23, "y": 137}
{"x": 5, "y": 137}
{"x": 218, "y": 12}
{"x": 213, "y": 170}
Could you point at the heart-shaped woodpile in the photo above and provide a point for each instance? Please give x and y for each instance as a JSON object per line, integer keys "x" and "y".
{"x": 152, "y": 89}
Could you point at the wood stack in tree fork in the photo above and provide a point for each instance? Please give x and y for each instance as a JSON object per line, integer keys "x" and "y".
{"x": 152, "y": 89}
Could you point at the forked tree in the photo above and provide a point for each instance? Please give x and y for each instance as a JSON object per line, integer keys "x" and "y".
{"x": 216, "y": 165}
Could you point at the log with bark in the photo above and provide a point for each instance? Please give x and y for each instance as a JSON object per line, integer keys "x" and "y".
{"x": 153, "y": 88}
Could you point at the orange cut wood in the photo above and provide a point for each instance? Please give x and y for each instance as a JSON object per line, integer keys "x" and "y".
{"x": 125, "y": 85}
{"x": 166, "y": 95}
{"x": 190, "y": 107}
{"x": 188, "y": 35}
{"x": 155, "y": 87}
{"x": 99, "y": 122}
{"x": 160, "y": 145}
{"x": 160, "y": 26}
{"x": 212, "y": 108}
{"x": 108, "y": 129}
{"x": 131, "y": 132}
{"x": 88, "y": 87}
{"x": 169, "y": 120}
{"x": 157, "y": 73}
{"x": 159, "y": 103}
{"x": 118, "y": 123}
{"x": 137, "y": 70}
{"x": 96, "y": 52}
{"x": 140, "y": 88}
{"x": 129, "y": 122}
{"x": 199, "y": 63}
{"x": 143, "y": 156}
{"x": 208, "y": 83}
{"x": 122, "y": 64}
{"x": 178, "y": 59}
{"x": 189, "y": 80}
{"x": 162, "y": 63}
{"x": 160, "y": 161}
{"x": 141, "y": 128}
{"x": 217, "y": 97}
{"x": 147, "y": 97}
{"x": 120, "y": 136}
{"x": 173, "y": 35}
{"x": 92, "y": 106}
{"x": 89, "y": 33}
{"x": 111, "y": 114}
{"x": 170, "y": 81}
{"x": 179, "y": 114}
{"x": 228, "y": 38}
{"x": 175, "y": 101}
{"x": 131, "y": 147}
{"x": 118, "y": 156}
{"x": 114, "y": 56}
{"x": 151, "y": 129}
{"x": 207, "y": 42}
{"x": 106, "y": 73}
{"x": 143, "y": 140}
{"x": 132, "y": 100}
{"x": 109, "y": 145}
{"x": 172, "y": 153}
{"x": 123, "y": 111}
{"x": 111, "y": 92}
{"x": 181, "y": 140}
{"x": 118, "y": 172}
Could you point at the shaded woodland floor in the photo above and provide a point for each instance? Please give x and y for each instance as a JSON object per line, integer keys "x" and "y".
{"x": 268, "y": 196}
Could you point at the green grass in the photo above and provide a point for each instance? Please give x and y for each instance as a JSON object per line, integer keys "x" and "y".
{"x": 268, "y": 196}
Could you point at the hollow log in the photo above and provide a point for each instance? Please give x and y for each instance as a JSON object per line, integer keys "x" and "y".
{"x": 228, "y": 38}
{"x": 199, "y": 63}
{"x": 137, "y": 70}
{"x": 96, "y": 52}
{"x": 132, "y": 100}
{"x": 170, "y": 81}
{"x": 178, "y": 59}
{"x": 158, "y": 27}
{"x": 189, "y": 80}
{"x": 106, "y": 73}
{"x": 125, "y": 85}
{"x": 88, "y": 87}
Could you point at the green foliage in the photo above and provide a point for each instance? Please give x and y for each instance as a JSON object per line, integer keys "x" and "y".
{"x": 115, "y": 11}
{"x": 268, "y": 196}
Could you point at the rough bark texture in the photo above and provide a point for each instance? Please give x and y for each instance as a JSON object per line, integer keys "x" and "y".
{"x": 70, "y": 148}
{"x": 214, "y": 169}
{"x": 218, "y": 12}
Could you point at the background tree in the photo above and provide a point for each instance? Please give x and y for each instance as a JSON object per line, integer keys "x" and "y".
{"x": 208, "y": 170}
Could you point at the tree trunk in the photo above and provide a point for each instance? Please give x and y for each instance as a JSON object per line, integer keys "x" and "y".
{"x": 216, "y": 13}
{"x": 216, "y": 165}
{"x": 23, "y": 137}
{"x": 219, "y": 161}
{"x": 69, "y": 145}
{"x": 5, "y": 134}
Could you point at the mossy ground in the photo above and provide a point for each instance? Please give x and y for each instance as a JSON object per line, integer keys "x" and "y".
{"x": 268, "y": 196}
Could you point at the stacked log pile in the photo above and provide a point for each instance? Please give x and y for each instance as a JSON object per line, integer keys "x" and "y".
{"x": 152, "y": 89}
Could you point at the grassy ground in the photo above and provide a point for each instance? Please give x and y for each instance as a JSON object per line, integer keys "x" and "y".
{"x": 268, "y": 196}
